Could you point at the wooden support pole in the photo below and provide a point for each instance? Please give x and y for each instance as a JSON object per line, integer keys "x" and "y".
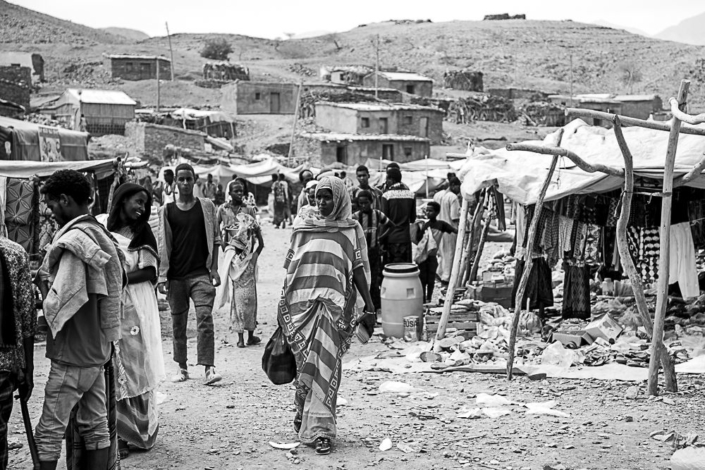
{"x": 561, "y": 152}
{"x": 656, "y": 125}
{"x": 455, "y": 271}
{"x": 483, "y": 238}
{"x": 665, "y": 250}
{"x": 681, "y": 116}
{"x": 623, "y": 246}
{"x": 528, "y": 263}
{"x": 691, "y": 175}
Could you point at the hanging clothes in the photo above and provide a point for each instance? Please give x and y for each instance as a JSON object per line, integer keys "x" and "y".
{"x": 19, "y": 212}
{"x": 539, "y": 289}
{"x": 682, "y": 267}
{"x": 576, "y": 291}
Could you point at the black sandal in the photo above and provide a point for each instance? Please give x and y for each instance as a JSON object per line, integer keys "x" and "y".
{"x": 322, "y": 446}
{"x": 297, "y": 422}
{"x": 123, "y": 449}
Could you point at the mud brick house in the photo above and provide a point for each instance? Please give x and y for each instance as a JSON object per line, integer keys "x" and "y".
{"x": 411, "y": 83}
{"x": 16, "y": 84}
{"x": 380, "y": 118}
{"x": 35, "y": 62}
{"x": 105, "y": 111}
{"x": 246, "y": 97}
{"x": 352, "y": 149}
{"x": 640, "y": 106}
{"x": 139, "y": 67}
{"x": 151, "y": 139}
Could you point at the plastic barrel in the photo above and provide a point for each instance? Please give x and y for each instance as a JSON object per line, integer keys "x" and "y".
{"x": 402, "y": 296}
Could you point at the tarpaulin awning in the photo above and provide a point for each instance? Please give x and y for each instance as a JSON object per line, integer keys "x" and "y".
{"x": 520, "y": 175}
{"x": 25, "y": 169}
{"x": 33, "y": 142}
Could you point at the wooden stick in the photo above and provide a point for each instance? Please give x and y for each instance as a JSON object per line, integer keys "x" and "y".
{"x": 691, "y": 175}
{"x": 561, "y": 152}
{"x": 471, "y": 236}
{"x": 623, "y": 246}
{"x": 659, "y": 126}
{"x": 528, "y": 263}
{"x": 681, "y": 116}
{"x": 665, "y": 253}
{"x": 483, "y": 238}
{"x": 455, "y": 271}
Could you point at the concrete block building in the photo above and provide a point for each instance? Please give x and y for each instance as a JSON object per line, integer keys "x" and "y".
{"x": 379, "y": 118}
{"x": 353, "y": 150}
{"x": 411, "y": 83}
{"x": 105, "y": 111}
{"x": 139, "y": 67}
{"x": 151, "y": 139}
{"x": 247, "y": 97}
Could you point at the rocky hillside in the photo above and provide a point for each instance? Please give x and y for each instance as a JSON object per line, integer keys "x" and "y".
{"x": 131, "y": 34}
{"x": 528, "y": 54}
{"x": 20, "y": 25}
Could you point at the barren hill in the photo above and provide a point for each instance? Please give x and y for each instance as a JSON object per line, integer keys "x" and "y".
{"x": 131, "y": 34}
{"x": 529, "y": 54}
{"x": 24, "y": 26}
{"x": 689, "y": 31}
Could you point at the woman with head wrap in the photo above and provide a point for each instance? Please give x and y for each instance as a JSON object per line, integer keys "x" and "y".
{"x": 326, "y": 294}
{"x": 138, "y": 357}
{"x": 243, "y": 243}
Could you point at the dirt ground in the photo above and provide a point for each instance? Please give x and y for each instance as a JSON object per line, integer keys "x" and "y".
{"x": 230, "y": 425}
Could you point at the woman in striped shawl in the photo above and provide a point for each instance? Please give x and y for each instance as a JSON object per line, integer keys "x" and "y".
{"x": 325, "y": 290}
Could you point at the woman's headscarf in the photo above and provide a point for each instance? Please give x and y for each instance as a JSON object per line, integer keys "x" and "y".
{"x": 342, "y": 206}
{"x": 143, "y": 236}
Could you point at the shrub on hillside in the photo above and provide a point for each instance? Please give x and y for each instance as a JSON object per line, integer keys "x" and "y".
{"x": 216, "y": 49}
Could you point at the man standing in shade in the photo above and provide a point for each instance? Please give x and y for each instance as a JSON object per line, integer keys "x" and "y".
{"x": 450, "y": 213}
{"x": 399, "y": 205}
{"x": 363, "y": 177}
{"x": 188, "y": 241}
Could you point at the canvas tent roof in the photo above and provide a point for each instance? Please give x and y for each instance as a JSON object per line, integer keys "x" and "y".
{"x": 24, "y": 169}
{"x": 520, "y": 175}
{"x": 74, "y": 145}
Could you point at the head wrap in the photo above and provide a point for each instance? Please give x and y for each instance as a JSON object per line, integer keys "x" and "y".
{"x": 143, "y": 236}
{"x": 342, "y": 206}
{"x": 311, "y": 184}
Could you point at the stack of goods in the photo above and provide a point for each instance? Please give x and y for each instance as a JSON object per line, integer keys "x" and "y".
{"x": 463, "y": 318}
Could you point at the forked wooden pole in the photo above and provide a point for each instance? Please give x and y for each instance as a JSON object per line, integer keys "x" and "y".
{"x": 665, "y": 249}
{"x": 528, "y": 260}
{"x": 455, "y": 271}
{"x": 627, "y": 121}
{"x": 483, "y": 239}
{"x": 467, "y": 251}
{"x": 623, "y": 246}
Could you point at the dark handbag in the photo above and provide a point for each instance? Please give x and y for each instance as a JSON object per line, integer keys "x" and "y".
{"x": 278, "y": 360}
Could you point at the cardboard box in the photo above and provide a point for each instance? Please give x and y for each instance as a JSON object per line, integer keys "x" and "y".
{"x": 573, "y": 339}
{"x": 492, "y": 292}
{"x": 605, "y": 328}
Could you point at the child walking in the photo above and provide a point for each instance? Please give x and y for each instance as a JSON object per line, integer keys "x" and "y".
{"x": 428, "y": 261}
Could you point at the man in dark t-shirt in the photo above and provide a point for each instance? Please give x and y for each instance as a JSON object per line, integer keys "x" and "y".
{"x": 399, "y": 205}
{"x": 188, "y": 240}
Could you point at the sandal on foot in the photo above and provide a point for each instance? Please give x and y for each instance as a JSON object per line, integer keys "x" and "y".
{"x": 212, "y": 376}
{"x": 322, "y": 446}
{"x": 253, "y": 340}
{"x": 297, "y": 423}
{"x": 181, "y": 376}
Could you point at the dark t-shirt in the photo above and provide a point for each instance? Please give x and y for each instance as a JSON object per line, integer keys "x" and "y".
{"x": 399, "y": 205}
{"x": 189, "y": 247}
{"x": 438, "y": 228}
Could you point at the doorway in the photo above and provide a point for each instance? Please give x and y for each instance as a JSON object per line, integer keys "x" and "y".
{"x": 423, "y": 124}
{"x": 388, "y": 152}
{"x": 341, "y": 154}
{"x": 410, "y": 89}
{"x": 383, "y": 125}
{"x": 275, "y": 103}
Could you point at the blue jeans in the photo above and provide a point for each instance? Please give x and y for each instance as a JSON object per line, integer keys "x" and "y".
{"x": 201, "y": 290}
{"x": 67, "y": 386}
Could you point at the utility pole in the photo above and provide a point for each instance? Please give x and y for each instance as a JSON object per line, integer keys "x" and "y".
{"x": 171, "y": 51}
{"x": 377, "y": 68}
{"x": 293, "y": 127}
{"x": 571, "y": 79}
{"x": 158, "y": 85}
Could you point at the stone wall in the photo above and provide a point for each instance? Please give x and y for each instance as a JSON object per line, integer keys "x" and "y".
{"x": 16, "y": 84}
{"x": 151, "y": 139}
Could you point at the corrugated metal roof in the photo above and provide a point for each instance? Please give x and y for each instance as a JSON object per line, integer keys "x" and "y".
{"x": 135, "y": 57}
{"x": 405, "y": 76}
{"x": 380, "y": 106}
{"x": 334, "y": 137}
{"x": 101, "y": 96}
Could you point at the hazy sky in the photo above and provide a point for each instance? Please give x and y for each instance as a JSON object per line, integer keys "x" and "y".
{"x": 272, "y": 18}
